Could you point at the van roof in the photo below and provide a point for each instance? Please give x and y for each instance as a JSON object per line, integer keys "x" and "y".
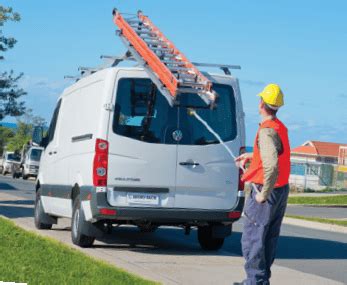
{"x": 103, "y": 73}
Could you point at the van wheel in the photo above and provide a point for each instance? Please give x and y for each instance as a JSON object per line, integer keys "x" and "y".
{"x": 25, "y": 177}
{"x": 76, "y": 226}
{"x": 207, "y": 242}
{"x": 39, "y": 213}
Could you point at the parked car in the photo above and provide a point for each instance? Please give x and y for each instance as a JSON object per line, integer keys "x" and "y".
{"x": 8, "y": 158}
{"x": 31, "y": 162}
{"x": 117, "y": 153}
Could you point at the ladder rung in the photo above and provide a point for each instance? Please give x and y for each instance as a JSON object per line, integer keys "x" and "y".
{"x": 168, "y": 51}
{"x": 137, "y": 27}
{"x": 176, "y": 68}
{"x": 171, "y": 56}
{"x": 189, "y": 90}
{"x": 143, "y": 32}
{"x": 149, "y": 37}
{"x": 131, "y": 22}
{"x": 186, "y": 76}
{"x": 156, "y": 42}
{"x": 172, "y": 62}
{"x": 191, "y": 84}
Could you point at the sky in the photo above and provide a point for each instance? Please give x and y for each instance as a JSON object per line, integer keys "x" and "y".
{"x": 300, "y": 45}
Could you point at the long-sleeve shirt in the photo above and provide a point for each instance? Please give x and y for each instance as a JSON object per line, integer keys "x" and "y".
{"x": 270, "y": 146}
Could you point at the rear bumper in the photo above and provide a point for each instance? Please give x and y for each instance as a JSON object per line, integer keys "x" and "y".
{"x": 166, "y": 215}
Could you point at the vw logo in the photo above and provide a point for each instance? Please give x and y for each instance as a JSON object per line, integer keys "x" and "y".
{"x": 177, "y": 135}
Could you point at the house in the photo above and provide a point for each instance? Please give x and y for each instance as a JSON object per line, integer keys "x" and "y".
{"x": 314, "y": 164}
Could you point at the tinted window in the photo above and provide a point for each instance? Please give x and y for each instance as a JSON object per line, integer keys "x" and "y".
{"x": 222, "y": 119}
{"x": 35, "y": 154}
{"x": 53, "y": 124}
{"x": 143, "y": 113}
{"x": 13, "y": 157}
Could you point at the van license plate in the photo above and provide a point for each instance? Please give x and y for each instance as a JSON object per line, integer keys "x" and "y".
{"x": 143, "y": 198}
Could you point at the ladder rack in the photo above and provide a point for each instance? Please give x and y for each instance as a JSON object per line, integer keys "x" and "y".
{"x": 170, "y": 70}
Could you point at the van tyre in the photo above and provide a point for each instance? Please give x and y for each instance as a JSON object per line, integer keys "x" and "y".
{"x": 77, "y": 222}
{"x": 25, "y": 177}
{"x": 207, "y": 241}
{"x": 39, "y": 214}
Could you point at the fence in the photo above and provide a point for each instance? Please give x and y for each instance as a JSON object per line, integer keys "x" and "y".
{"x": 317, "y": 176}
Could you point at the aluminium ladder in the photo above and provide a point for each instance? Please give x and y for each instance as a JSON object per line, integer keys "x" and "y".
{"x": 169, "y": 69}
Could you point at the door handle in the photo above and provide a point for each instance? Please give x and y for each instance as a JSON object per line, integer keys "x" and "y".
{"x": 189, "y": 163}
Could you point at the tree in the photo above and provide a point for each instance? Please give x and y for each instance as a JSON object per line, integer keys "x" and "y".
{"x": 25, "y": 126}
{"x": 5, "y": 135}
{"x": 10, "y": 92}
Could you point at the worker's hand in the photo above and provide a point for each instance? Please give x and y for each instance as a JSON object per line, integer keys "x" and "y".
{"x": 259, "y": 198}
{"x": 243, "y": 159}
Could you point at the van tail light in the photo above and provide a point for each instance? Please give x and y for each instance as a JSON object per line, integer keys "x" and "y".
{"x": 234, "y": 215}
{"x": 241, "y": 183}
{"x": 107, "y": 212}
{"x": 100, "y": 164}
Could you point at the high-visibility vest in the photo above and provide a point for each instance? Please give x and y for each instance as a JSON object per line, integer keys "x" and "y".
{"x": 255, "y": 172}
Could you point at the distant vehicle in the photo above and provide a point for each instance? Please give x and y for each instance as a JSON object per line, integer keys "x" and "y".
{"x": 8, "y": 159}
{"x": 31, "y": 162}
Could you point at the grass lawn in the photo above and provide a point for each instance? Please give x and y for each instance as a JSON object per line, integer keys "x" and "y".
{"x": 27, "y": 257}
{"x": 325, "y": 200}
{"x": 320, "y": 220}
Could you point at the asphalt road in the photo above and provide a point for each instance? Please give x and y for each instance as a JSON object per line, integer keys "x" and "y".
{"x": 300, "y": 250}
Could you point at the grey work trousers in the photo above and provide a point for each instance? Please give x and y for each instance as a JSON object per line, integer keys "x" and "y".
{"x": 261, "y": 230}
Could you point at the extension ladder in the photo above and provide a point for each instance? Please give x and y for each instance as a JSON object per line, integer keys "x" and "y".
{"x": 168, "y": 68}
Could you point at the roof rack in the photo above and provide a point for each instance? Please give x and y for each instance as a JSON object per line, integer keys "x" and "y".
{"x": 116, "y": 60}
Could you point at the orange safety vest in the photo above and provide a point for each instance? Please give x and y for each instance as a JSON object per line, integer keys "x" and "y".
{"x": 255, "y": 172}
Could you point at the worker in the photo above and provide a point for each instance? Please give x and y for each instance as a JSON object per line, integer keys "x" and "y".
{"x": 269, "y": 171}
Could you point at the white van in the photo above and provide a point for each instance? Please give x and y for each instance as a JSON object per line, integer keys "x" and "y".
{"x": 31, "y": 162}
{"x": 117, "y": 153}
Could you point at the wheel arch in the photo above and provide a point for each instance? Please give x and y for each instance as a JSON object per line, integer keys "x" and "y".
{"x": 75, "y": 191}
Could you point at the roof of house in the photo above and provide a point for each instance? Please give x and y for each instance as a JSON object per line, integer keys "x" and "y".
{"x": 319, "y": 148}
{"x": 305, "y": 150}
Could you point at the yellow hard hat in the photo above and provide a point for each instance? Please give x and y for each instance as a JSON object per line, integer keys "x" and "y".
{"x": 272, "y": 95}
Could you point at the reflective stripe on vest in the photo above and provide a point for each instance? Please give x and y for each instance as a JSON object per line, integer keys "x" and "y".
{"x": 255, "y": 172}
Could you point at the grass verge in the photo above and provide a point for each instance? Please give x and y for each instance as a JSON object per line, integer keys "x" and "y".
{"x": 320, "y": 220}
{"x": 27, "y": 257}
{"x": 325, "y": 200}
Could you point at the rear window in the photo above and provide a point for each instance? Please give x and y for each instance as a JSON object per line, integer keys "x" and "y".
{"x": 13, "y": 157}
{"x": 35, "y": 154}
{"x": 143, "y": 113}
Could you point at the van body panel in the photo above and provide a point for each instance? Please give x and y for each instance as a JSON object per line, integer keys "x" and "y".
{"x": 212, "y": 182}
{"x": 138, "y": 164}
{"x": 145, "y": 178}
{"x": 81, "y": 120}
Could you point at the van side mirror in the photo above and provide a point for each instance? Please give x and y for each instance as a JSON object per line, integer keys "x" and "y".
{"x": 37, "y": 136}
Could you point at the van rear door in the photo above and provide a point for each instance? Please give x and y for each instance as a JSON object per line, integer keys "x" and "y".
{"x": 207, "y": 177}
{"x": 142, "y": 151}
